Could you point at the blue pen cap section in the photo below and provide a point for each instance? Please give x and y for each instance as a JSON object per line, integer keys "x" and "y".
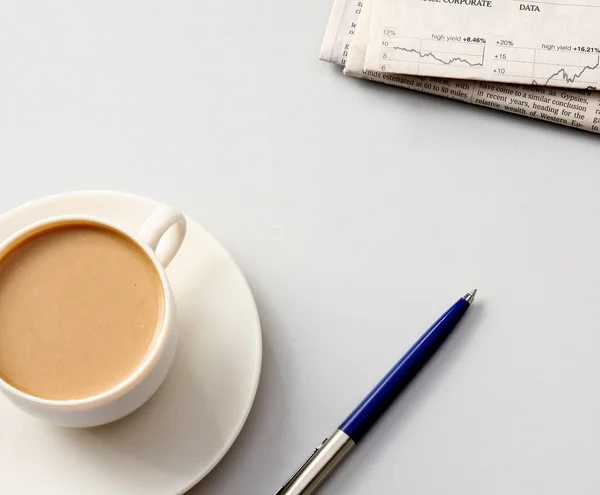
{"x": 374, "y": 405}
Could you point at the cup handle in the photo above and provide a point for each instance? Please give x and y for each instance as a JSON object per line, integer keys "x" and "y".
{"x": 164, "y": 232}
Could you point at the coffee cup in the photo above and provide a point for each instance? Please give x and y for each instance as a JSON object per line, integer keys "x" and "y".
{"x": 78, "y": 300}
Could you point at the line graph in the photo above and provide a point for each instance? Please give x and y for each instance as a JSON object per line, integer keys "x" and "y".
{"x": 568, "y": 64}
{"x": 547, "y": 67}
{"x": 450, "y": 61}
{"x": 571, "y": 79}
{"x": 408, "y": 54}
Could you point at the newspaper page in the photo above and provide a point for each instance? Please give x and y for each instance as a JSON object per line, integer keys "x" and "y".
{"x": 534, "y": 42}
{"x": 340, "y": 31}
{"x": 575, "y": 108}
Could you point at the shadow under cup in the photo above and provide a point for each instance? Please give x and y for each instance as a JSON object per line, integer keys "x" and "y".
{"x": 85, "y": 321}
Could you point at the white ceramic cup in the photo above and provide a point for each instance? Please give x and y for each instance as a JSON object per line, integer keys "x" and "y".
{"x": 160, "y": 237}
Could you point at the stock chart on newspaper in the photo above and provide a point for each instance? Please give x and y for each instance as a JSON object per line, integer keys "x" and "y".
{"x": 542, "y": 42}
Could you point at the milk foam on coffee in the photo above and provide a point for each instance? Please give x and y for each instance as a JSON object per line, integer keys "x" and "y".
{"x": 80, "y": 307}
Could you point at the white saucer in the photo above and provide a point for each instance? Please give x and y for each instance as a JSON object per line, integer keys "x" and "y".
{"x": 174, "y": 440}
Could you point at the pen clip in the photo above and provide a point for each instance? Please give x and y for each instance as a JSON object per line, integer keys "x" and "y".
{"x": 310, "y": 458}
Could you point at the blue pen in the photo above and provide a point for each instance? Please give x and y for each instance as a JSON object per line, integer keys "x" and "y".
{"x": 333, "y": 450}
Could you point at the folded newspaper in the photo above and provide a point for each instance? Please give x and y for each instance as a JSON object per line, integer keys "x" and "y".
{"x": 389, "y": 41}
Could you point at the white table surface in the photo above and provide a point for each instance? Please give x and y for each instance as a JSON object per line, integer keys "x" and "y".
{"x": 358, "y": 214}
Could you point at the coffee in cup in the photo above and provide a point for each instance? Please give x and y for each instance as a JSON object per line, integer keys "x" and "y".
{"x": 80, "y": 305}
{"x": 87, "y": 316}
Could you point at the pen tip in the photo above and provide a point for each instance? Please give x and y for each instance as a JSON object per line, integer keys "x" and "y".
{"x": 470, "y": 296}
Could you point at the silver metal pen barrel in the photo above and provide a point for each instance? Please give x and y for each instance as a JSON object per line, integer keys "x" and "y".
{"x": 319, "y": 465}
